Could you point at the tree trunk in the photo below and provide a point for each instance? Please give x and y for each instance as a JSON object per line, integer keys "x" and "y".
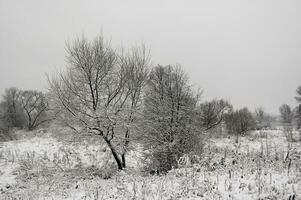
{"x": 123, "y": 160}
{"x": 126, "y": 144}
{"x": 115, "y": 155}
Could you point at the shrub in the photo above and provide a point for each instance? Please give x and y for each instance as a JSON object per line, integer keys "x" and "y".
{"x": 169, "y": 126}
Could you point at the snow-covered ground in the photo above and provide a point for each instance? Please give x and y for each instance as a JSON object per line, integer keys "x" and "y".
{"x": 263, "y": 165}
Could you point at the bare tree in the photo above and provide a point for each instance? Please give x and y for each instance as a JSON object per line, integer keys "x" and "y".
{"x": 101, "y": 91}
{"x": 34, "y": 106}
{"x": 11, "y": 113}
{"x": 239, "y": 122}
{"x": 286, "y": 114}
{"x": 212, "y": 113}
{"x": 169, "y": 125}
{"x": 263, "y": 119}
{"x": 259, "y": 117}
{"x": 259, "y": 112}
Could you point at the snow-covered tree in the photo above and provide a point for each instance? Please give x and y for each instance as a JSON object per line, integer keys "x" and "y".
{"x": 286, "y": 114}
{"x": 101, "y": 91}
{"x": 169, "y": 125}
{"x": 35, "y": 108}
{"x": 212, "y": 113}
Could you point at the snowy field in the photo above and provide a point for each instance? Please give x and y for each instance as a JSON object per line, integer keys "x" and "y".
{"x": 263, "y": 165}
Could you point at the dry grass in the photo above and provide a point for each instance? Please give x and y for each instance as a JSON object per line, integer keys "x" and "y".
{"x": 259, "y": 167}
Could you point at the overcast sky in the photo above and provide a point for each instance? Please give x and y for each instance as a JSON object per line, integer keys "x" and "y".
{"x": 246, "y": 51}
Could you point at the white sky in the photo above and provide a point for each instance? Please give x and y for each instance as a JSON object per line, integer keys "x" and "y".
{"x": 246, "y": 51}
